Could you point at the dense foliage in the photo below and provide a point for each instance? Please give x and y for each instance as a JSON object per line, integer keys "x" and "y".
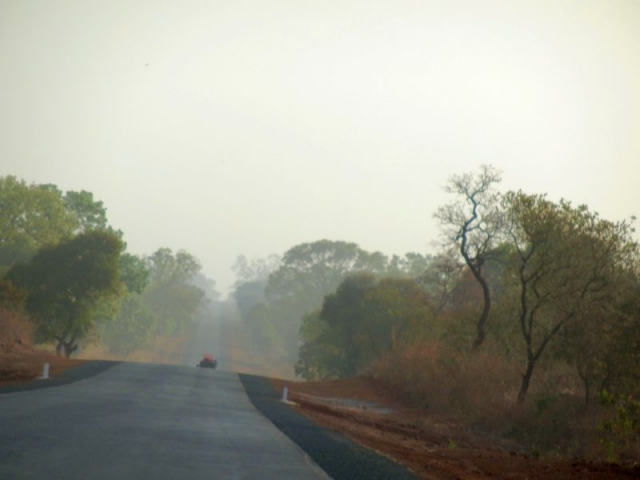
{"x": 65, "y": 267}
{"x": 67, "y": 284}
{"x": 273, "y": 295}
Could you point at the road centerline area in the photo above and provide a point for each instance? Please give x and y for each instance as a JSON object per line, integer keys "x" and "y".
{"x": 145, "y": 421}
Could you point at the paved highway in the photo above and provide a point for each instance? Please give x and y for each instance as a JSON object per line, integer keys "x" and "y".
{"x": 142, "y": 421}
{"x": 139, "y": 421}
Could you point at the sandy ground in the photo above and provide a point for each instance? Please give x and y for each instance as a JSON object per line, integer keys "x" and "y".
{"x": 365, "y": 411}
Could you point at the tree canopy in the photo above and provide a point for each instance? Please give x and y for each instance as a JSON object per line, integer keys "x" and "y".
{"x": 31, "y": 217}
{"x": 362, "y": 321}
{"x": 57, "y": 249}
{"x": 567, "y": 261}
{"x": 67, "y": 283}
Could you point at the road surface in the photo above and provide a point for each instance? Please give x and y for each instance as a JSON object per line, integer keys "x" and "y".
{"x": 136, "y": 421}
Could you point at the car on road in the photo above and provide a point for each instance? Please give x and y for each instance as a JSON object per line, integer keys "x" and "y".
{"x": 208, "y": 361}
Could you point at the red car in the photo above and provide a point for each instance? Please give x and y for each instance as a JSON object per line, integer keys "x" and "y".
{"x": 208, "y": 361}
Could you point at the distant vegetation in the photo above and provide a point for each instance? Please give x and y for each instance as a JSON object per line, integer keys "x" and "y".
{"x": 526, "y": 321}
{"x": 66, "y": 270}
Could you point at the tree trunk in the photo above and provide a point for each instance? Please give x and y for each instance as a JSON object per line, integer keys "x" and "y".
{"x": 586, "y": 383}
{"x": 394, "y": 340}
{"x": 69, "y": 348}
{"x": 482, "y": 321}
{"x": 59, "y": 346}
{"x": 526, "y": 380}
{"x": 587, "y": 394}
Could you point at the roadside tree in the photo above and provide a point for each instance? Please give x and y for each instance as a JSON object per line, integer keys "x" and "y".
{"x": 474, "y": 224}
{"x": 89, "y": 213}
{"x": 31, "y": 217}
{"x": 566, "y": 263}
{"x": 67, "y": 284}
{"x": 170, "y": 296}
{"x": 362, "y": 321}
{"x": 308, "y": 272}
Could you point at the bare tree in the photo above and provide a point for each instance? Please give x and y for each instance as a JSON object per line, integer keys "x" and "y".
{"x": 473, "y": 222}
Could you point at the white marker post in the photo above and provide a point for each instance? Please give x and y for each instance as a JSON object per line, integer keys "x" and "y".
{"x": 45, "y": 371}
{"x": 285, "y": 393}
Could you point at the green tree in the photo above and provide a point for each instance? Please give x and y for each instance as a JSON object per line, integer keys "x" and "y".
{"x": 566, "y": 262}
{"x": 134, "y": 273}
{"x": 167, "y": 268}
{"x": 67, "y": 283}
{"x": 311, "y": 270}
{"x": 132, "y": 321}
{"x": 131, "y": 329}
{"x": 31, "y": 217}
{"x": 308, "y": 272}
{"x": 474, "y": 223}
{"x": 320, "y": 356}
{"x": 603, "y": 340}
{"x": 412, "y": 265}
{"x": 363, "y": 320}
{"x": 170, "y": 296}
{"x": 345, "y": 313}
{"x": 89, "y": 214}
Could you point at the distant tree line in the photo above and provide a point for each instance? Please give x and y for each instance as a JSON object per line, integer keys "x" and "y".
{"x": 70, "y": 272}
{"x": 279, "y": 297}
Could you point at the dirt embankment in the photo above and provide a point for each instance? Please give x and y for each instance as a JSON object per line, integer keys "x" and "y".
{"x": 434, "y": 448}
{"x": 24, "y": 364}
{"x": 20, "y": 361}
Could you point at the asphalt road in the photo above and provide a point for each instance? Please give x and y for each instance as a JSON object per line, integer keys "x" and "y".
{"x": 109, "y": 420}
{"x": 139, "y": 421}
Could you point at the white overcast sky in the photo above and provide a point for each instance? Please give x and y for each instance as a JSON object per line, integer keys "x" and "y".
{"x": 247, "y": 127}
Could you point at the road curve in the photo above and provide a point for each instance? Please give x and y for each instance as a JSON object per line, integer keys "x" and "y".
{"x": 136, "y": 421}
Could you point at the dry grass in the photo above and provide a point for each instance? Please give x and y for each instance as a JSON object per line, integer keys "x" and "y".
{"x": 165, "y": 350}
{"x": 477, "y": 386}
{"x": 479, "y": 389}
{"x": 245, "y": 357}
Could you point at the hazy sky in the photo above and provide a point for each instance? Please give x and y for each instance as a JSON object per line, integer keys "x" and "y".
{"x": 247, "y": 127}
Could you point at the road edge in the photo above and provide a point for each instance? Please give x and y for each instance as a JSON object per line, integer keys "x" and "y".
{"x": 71, "y": 375}
{"x": 340, "y": 457}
